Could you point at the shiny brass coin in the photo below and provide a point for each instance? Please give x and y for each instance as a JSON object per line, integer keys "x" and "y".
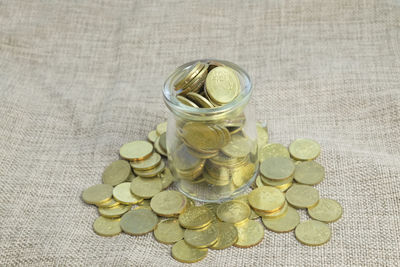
{"x": 302, "y": 196}
{"x": 97, "y": 194}
{"x": 222, "y": 85}
{"x": 214, "y": 181}
{"x": 213, "y": 209}
{"x": 309, "y": 173}
{"x": 195, "y": 217}
{"x": 213, "y": 64}
{"x": 243, "y": 174}
{"x": 158, "y": 148}
{"x": 168, "y": 203}
{"x": 152, "y": 136}
{"x": 201, "y": 155}
{"x": 273, "y": 150}
{"x": 201, "y": 137}
{"x": 163, "y": 141}
{"x": 259, "y": 182}
{"x": 136, "y": 150}
{"x": 108, "y": 204}
{"x": 327, "y": 211}
{"x": 147, "y": 164}
{"x": 186, "y": 101}
{"x": 201, "y": 238}
{"x": 235, "y": 212}
{"x": 262, "y": 136}
{"x": 106, "y": 226}
{"x": 266, "y": 198}
{"x": 142, "y": 207}
{"x": 239, "y": 147}
{"x": 304, "y": 149}
{"x": 227, "y": 235}
{"x": 284, "y": 223}
{"x": 313, "y": 233}
{"x": 284, "y": 187}
{"x": 278, "y": 168}
{"x": 114, "y": 212}
{"x": 196, "y": 84}
{"x": 117, "y": 172}
{"x": 166, "y": 178}
{"x": 199, "y": 100}
{"x": 244, "y": 199}
{"x": 139, "y": 221}
{"x": 152, "y": 172}
{"x": 168, "y": 231}
{"x": 122, "y": 194}
{"x": 250, "y": 234}
{"x": 183, "y": 252}
{"x": 146, "y": 187}
{"x": 189, "y": 75}
{"x": 161, "y": 128}
{"x": 276, "y": 214}
{"x": 184, "y": 161}
{"x": 276, "y": 183}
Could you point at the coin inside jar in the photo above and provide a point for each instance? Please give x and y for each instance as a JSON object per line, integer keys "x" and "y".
{"x": 238, "y": 147}
{"x": 201, "y": 136}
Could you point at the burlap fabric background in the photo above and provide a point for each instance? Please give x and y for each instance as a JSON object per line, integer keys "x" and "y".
{"x": 80, "y": 78}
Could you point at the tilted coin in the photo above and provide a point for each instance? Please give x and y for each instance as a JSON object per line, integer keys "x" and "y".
{"x": 108, "y": 204}
{"x": 227, "y": 235}
{"x": 199, "y": 100}
{"x": 259, "y": 182}
{"x": 213, "y": 209}
{"x": 189, "y": 75}
{"x": 161, "y": 128}
{"x": 276, "y": 183}
{"x": 277, "y": 168}
{"x": 146, "y": 187}
{"x": 184, "y": 161}
{"x": 147, "y": 164}
{"x": 158, "y": 148}
{"x": 235, "y": 212}
{"x": 139, "y": 221}
{"x": 250, "y": 234}
{"x": 244, "y": 199}
{"x": 168, "y": 203}
{"x": 163, "y": 141}
{"x": 262, "y": 136}
{"x": 201, "y": 136}
{"x": 238, "y": 147}
{"x": 168, "y": 231}
{"x": 152, "y": 136}
{"x": 283, "y": 224}
{"x": 284, "y": 187}
{"x": 201, "y": 238}
{"x": 302, "y": 196}
{"x": 243, "y": 174}
{"x": 276, "y": 214}
{"x": 273, "y": 150}
{"x": 122, "y": 193}
{"x": 136, "y": 150}
{"x": 166, "y": 178}
{"x": 183, "y": 252}
{"x": 97, "y": 194}
{"x": 117, "y": 172}
{"x": 130, "y": 177}
{"x": 152, "y": 172}
{"x": 195, "y": 217}
{"x": 313, "y": 233}
{"x": 186, "y": 101}
{"x": 309, "y": 172}
{"x": 114, "y": 212}
{"x": 222, "y": 85}
{"x": 106, "y": 226}
{"x": 304, "y": 149}
{"x": 266, "y": 198}
{"x": 327, "y": 210}
{"x": 196, "y": 83}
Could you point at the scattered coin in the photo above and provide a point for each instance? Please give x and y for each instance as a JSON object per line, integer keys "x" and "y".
{"x": 239, "y": 147}
{"x": 227, "y": 235}
{"x": 168, "y": 231}
{"x": 309, "y": 173}
{"x": 117, "y": 172}
{"x": 235, "y": 212}
{"x": 122, "y": 193}
{"x": 152, "y": 172}
{"x": 201, "y": 238}
{"x": 139, "y": 221}
{"x": 276, "y": 214}
{"x": 108, "y": 204}
{"x": 106, "y": 226}
{"x": 183, "y": 252}
{"x": 146, "y": 187}
{"x": 152, "y": 136}
{"x": 97, "y": 194}
{"x": 250, "y": 234}
{"x": 158, "y": 148}
{"x": 195, "y": 217}
{"x": 277, "y": 168}
{"x": 147, "y": 164}
{"x": 302, "y": 196}
{"x": 262, "y": 136}
{"x": 304, "y": 149}
{"x": 136, "y": 150}
{"x": 266, "y": 198}
{"x": 313, "y": 233}
{"x": 161, "y": 128}
{"x": 199, "y": 100}
{"x": 168, "y": 203}
{"x": 283, "y": 224}
{"x": 327, "y": 211}
{"x": 186, "y": 101}
{"x": 273, "y": 150}
{"x": 114, "y": 212}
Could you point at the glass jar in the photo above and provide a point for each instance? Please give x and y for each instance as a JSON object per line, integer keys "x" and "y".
{"x": 212, "y": 152}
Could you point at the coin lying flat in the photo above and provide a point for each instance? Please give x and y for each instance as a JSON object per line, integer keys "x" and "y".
{"x": 304, "y": 149}
{"x": 146, "y": 187}
{"x": 239, "y": 147}
{"x": 201, "y": 136}
{"x": 309, "y": 172}
{"x": 283, "y": 224}
{"x": 235, "y": 212}
{"x": 284, "y": 187}
{"x": 139, "y": 221}
{"x": 161, "y": 128}
{"x": 266, "y": 198}
{"x": 152, "y": 172}
{"x": 196, "y": 217}
{"x": 147, "y": 164}
{"x": 276, "y": 183}
{"x": 222, "y": 85}
{"x": 168, "y": 231}
{"x": 201, "y": 238}
{"x": 106, "y": 226}
{"x": 168, "y": 203}
{"x": 250, "y": 234}
{"x": 122, "y": 193}
{"x": 152, "y": 136}
{"x": 273, "y": 150}
{"x": 227, "y": 235}
{"x": 213, "y": 211}
{"x": 108, "y": 204}
{"x": 276, "y": 214}
{"x": 244, "y": 199}
{"x": 117, "y": 172}
{"x": 277, "y": 168}
{"x": 189, "y": 75}
{"x": 97, "y": 194}
{"x": 302, "y": 196}
{"x": 114, "y": 212}
{"x": 183, "y": 252}
{"x": 136, "y": 150}
{"x": 313, "y": 233}
{"x": 327, "y": 210}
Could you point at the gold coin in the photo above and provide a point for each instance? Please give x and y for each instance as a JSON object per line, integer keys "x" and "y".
{"x": 201, "y": 136}
{"x": 327, "y": 211}
{"x": 136, "y": 150}
{"x": 266, "y": 198}
{"x": 313, "y": 233}
{"x": 152, "y": 172}
{"x": 186, "y": 101}
{"x": 108, "y": 204}
{"x": 277, "y": 168}
{"x": 259, "y": 182}
{"x": 235, "y": 212}
{"x": 238, "y": 147}
{"x": 130, "y": 177}
{"x": 163, "y": 141}
{"x": 227, "y": 235}
{"x": 114, "y": 212}
{"x": 284, "y": 187}
{"x": 244, "y": 199}
{"x": 243, "y": 174}
{"x": 168, "y": 231}
{"x": 201, "y": 238}
{"x": 146, "y": 187}
{"x": 302, "y": 196}
{"x": 199, "y": 100}
{"x": 201, "y": 155}
{"x": 122, "y": 194}
{"x": 222, "y": 85}
{"x": 184, "y": 161}
{"x": 273, "y": 150}
{"x": 189, "y": 75}
{"x": 213, "y": 211}
{"x": 195, "y": 84}
{"x": 276, "y": 214}
{"x": 106, "y": 226}
{"x": 117, "y": 172}
{"x": 262, "y": 136}
{"x": 97, "y": 194}
{"x": 147, "y": 164}
{"x": 168, "y": 203}
{"x": 183, "y": 252}
{"x": 158, "y": 148}
{"x": 304, "y": 149}
{"x": 283, "y": 224}
{"x": 195, "y": 217}
{"x": 276, "y": 183}
{"x": 161, "y": 128}
{"x": 250, "y": 234}
{"x": 309, "y": 173}
{"x": 152, "y": 136}
{"x": 139, "y": 221}
{"x": 166, "y": 178}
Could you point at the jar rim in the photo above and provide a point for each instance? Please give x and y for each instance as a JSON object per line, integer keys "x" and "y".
{"x": 176, "y": 106}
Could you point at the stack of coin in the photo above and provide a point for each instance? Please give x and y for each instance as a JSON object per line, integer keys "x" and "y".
{"x": 158, "y": 138}
{"x": 277, "y": 172}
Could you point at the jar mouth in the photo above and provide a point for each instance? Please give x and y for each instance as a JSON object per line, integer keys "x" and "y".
{"x": 176, "y": 106}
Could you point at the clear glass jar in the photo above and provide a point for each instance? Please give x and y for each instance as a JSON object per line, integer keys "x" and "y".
{"x": 224, "y": 161}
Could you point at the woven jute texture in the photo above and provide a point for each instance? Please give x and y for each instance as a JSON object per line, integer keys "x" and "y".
{"x": 80, "y": 78}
